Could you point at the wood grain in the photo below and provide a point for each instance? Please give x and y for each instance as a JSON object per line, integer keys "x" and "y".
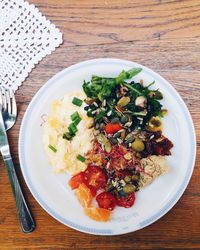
{"x": 163, "y": 35}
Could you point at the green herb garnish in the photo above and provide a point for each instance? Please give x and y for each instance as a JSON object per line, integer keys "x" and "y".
{"x": 108, "y": 92}
{"x": 89, "y": 113}
{"x": 80, "y": 158}
{"x": 102, "y": 87}
{"x": 52, "y": 148}
{"x": 76, "y": 101}
{"x": 72, "y": 128}
{"x": 68, "y": 136}
{"x": 133, "y": 88}
{"x": 76, "y": 118}
{"x": 127, "y": 74}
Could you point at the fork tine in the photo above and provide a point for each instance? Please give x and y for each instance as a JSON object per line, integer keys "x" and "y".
{"x": 4, "y": 103}
{"x": 13, "y": 103}
{"x": 8, "y": 107}
{"x": 8, "y": 101}
{"x": 1, "y": 99}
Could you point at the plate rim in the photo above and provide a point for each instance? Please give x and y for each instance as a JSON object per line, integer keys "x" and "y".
{"x": 165, "y": 209}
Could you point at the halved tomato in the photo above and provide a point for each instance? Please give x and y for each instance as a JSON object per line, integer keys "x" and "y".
{"x": 92, "y": 189}
{"x": 95, "y": 177}
{"x": 126, "y": 201}
{"x": 106, "y": 200}
{"x": 76, "y": 180}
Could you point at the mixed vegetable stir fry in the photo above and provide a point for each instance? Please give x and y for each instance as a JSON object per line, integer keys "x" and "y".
{"x": 127, "y": 127}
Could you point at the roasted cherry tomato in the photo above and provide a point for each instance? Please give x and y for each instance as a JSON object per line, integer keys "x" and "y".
{"x": 112, "y": 128}
{"x": 106, "y": 200}
{"x": 95, "y": 177}
{"x": 126, "y": 201}
{"x": 76, "y": 180}
{"x": 92, "y": 189}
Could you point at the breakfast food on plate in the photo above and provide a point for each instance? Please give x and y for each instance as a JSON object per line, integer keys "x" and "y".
{"x": 109, "y": 137}
{"x": 62, "y": 153}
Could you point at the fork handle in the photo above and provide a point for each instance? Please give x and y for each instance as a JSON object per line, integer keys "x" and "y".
{"x": 26, "y": 221}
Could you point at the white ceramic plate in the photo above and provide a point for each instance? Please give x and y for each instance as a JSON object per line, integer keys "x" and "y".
{"x": 52, "y": 191}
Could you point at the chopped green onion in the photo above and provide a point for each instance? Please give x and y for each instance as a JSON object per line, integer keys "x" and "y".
{"x": 76, "y": 101}
{"x": 80, "y": 158}
{"x": 72, "y": 128}
{"x": 77, "y": 120}
{"x": 52, "y": 148}
{"x": 68, "y": 136}
{"x": 74, "y": 116}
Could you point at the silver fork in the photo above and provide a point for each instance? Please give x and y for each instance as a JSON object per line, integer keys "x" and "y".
{"x": 8, "y": 115}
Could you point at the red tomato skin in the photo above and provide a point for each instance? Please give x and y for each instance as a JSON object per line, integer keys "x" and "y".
{"x": 92, "y": 189}
{"x": 106, "y": 200}
{"x": 111, "y": 128}
{"x": 95, "y": 177}
{"x": 126, "y": 201}
{"x": 76, "y": 180}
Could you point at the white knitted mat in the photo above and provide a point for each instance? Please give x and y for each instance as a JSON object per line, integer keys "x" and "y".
{"x": 26, "y": 36}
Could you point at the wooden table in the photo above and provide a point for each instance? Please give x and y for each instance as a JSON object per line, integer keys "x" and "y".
{"x": 163, "y": 35}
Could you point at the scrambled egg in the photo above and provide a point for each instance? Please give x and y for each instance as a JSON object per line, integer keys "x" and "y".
{"x": 65, "y": 159}
{"x": 153, "y": 166}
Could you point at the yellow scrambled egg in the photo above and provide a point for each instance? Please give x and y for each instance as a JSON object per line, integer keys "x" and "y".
{"x": 59, "y": 118}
